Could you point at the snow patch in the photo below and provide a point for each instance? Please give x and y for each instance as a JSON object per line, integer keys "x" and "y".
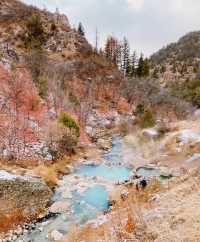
{"x": 4, "y": 175}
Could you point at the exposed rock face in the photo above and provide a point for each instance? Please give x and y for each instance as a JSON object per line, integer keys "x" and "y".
{"x": 69, "y": 64}
{"x": 25, "y": 196}
{"x": 59, "y": 207}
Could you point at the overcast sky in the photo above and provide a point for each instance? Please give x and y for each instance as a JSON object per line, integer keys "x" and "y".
{"x": 148, "y": 24}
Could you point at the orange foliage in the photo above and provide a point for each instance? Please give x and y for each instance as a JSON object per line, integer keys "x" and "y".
{"x": 11, "y": 220}
{"x": 130, "y": 225}
{"x": 20, "y": 108}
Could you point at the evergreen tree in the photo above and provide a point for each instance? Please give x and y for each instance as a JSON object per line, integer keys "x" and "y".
{"x": 81, "y": 30}
{"x": 163, "y": 69}
{"x": 129, "y": 68}
{"x": 126, "y": 55}
{"x": 146, "y": 68}
{"x": 174, "y": 68}
{"x": 119, "y": 54}
{"x": 133, "y": 64}
{"x": 155, "y": 73}
{"x": 140, "y": 68}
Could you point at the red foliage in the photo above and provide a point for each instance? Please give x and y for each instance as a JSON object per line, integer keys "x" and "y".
{"x": 20, "y": 108}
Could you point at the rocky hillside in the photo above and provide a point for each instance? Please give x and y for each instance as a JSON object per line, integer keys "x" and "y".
{"x": 46, "y": 67}
{"x": 178, "y": 61}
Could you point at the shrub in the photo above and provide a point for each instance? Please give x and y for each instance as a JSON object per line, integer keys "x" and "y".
{"x": 147, "y": 119}
{"x": 63, "y": 136}
{"x": 60, "y": 141}
{"x": 155, "y": 73}
{"x": 124, "y": 128}
{"x": 162, "y": 128}
{"x": 188, "y": 90}
{"x": 53, "y": 27}
{"x": 1, "y": 53}
{"x": 33, "y": 104}
{"x": 67, "y": 143}
{"x": 69, "y": 122}
{"x": 73, "y": 99}
{"x": 35, "y": 59}
{"x": 34, "y": 34}
{"x": 34, "y": 38}
{"x": 50, "y": 173}
{"x": 140, "y": 109}
{"x": 42, "y": 85}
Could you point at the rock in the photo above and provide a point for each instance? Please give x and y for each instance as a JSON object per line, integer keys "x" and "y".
{"x": 124, "y": 194}
{"x": 89, "y": 131}
{"x": 66, "y": 194}
{"x": 55, "y": 235}
{"x": 40, "y": 229}
{"x": 22, "y": 195}
{"x": 196, "y": 115}
{"x": 59, "y": 207}
{"x": 14, "y": 238}
{"x": 155, "y": 197}
{"x": 19, "y": 231}
{"x": 103, "y": 144}
{"x": 151, "y": 133}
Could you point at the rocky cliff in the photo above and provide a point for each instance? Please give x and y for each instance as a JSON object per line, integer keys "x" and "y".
{"x": 47, "y": 67}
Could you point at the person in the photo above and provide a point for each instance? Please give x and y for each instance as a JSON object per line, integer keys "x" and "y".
{"x": 142, "y": 183}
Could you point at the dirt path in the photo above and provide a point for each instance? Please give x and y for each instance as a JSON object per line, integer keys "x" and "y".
{"x": 176, "y": 216}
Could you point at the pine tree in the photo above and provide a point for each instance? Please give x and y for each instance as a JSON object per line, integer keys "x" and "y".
{"x": 129, "y": 68}
{"x": 163, "y": 69}
{"x": 133, "y": 64}
{"x": 155, "y": 73}
{"x": 140, "y": 68}
{"x": 146, "y": 68}
{"x": 126, "y": 55}
{"x": 81, "y": 30}
{"x": 119, "y": 55}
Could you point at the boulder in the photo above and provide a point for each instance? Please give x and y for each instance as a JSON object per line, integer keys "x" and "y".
{"x": 55, "y": 235}
{"x": 196, "y": 115}
{"x": 59, "y": 207}
{"x": 21, "y": 198}
{"x": 151, "y": 133}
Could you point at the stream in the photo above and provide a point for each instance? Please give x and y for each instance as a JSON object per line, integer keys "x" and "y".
{"x": 85, "y": 193}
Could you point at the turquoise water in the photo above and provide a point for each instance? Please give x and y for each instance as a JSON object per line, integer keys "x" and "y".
{"x": 95, "y": 199}
{"x": 115, "y": 155}
{"x": 148, "y": 172}
{"x": 114, "y": 173}
{"x": 86, "y": 205}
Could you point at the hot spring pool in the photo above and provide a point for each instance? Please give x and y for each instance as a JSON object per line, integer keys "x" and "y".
{"x": 114, "y": 173}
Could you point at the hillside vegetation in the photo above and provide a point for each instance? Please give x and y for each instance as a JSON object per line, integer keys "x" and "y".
{"x": 178, "y": 61}
{"x": 47, "y": 68}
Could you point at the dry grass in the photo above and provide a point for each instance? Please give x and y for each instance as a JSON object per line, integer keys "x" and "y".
{"x": 122, "y": 223}
{"x": 10, "y": 221}
{"x": 18, "y": 163}
{"x": 50, "y": 173}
